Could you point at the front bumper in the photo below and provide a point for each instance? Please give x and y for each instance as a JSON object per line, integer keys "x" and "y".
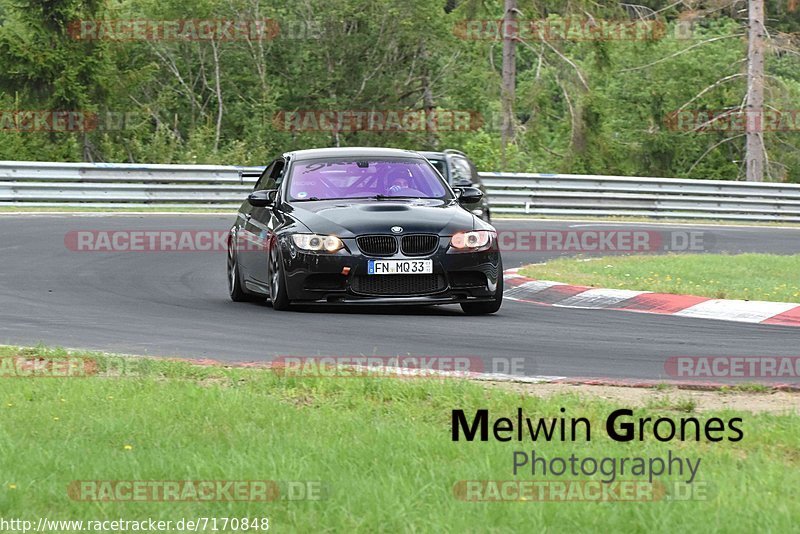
{"x": 457, "y": 277}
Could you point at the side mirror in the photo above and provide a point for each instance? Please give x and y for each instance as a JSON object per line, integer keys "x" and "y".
{"x": 263, "y": 198}
{"x": 469, "y": 195}
{"x": 462, "y": 182}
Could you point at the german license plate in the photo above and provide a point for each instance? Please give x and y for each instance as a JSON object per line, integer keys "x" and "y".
{"x": 400, "y": 266}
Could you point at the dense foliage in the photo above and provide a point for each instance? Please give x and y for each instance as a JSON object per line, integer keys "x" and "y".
{"x": 583, "y": 106}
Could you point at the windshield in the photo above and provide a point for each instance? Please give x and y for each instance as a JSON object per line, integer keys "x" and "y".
{"x": 339, "y": 178}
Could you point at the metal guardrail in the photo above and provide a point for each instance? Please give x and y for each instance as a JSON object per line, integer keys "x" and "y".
{"x": 122, "y": 185}
{"x": 587, "y": 195}
{"x": 41, "y": 184}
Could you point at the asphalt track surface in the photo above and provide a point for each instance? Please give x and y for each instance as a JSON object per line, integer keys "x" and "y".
{"x": 176, "y": 304}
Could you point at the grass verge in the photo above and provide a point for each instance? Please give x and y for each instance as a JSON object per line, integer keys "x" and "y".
{"x": 741, "y": 276}
{"x": 381, "y": 448}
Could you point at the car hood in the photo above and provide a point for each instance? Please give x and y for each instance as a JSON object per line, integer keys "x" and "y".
{"x": 348, "y": 218}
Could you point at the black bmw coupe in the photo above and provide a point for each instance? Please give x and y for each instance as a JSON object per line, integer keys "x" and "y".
{"x": 362, "y": 226}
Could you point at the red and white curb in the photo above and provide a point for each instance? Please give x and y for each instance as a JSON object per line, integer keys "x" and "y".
{"x": 523, "y": 289}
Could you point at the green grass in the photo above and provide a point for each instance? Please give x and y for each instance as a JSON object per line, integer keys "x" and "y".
{"x": 380, "y": 446}
{"x": 686, "y": 404}
{"x": 742, "y": 276}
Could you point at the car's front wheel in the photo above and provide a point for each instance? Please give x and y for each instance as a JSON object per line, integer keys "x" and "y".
{"x": 235, "y": 290}
{"x": 485, "y": 308}
{"x": 277, "y": 280}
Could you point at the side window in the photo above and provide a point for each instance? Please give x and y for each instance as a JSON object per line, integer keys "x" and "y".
{"x": 475, "y": 178}
{"x": 440, "y": 166}
{"x": 461, "y": 171}
{"x": 264, "y": 181}
{"x": 272, "y": 176}
{"x": 277, "y": 172}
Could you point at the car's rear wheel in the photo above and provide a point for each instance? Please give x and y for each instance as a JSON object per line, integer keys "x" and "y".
{"x": 485, "y": 308}
{"x": 277, "y": 280}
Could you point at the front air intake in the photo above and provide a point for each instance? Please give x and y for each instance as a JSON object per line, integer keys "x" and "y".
{"x": 377, "y": 245}
{"x": 398, "y": 284}
{"x": 419, "y": 244}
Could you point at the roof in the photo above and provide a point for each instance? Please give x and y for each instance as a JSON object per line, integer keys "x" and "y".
{"x": 351, "y": 152}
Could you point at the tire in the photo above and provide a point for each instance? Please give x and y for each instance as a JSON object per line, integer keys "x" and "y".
{"x": 277, "y": 281}
{"x": 485, "y": 308}
{"x": 235, "y": 290}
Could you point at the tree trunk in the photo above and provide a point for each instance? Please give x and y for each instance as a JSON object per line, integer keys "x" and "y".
{"x": 509, "y": 74}
{"x": 428, "y": 103}
{"x": 218, "y": 92}
{"x": 755, "y": 93}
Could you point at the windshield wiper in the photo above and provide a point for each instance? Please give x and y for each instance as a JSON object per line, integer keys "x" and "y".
{"x": 372, "y": 197}
{"x": 386, "y": 197}
{"x": 325, "y": 199}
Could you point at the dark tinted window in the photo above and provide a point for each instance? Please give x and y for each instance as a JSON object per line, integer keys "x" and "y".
{"x": 272, "y": 176}
{"x": 440, "y": 166}
{"x": 461, "y": 170}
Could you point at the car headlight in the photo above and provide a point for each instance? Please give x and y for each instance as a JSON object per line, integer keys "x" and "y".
{"x": 472, "y": 241}
{"x": 317, "y": 243}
